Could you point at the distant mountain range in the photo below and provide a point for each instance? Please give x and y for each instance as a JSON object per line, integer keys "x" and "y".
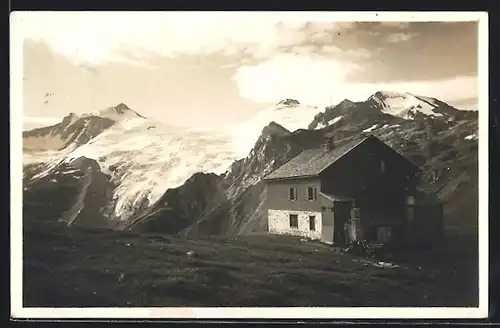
{"x": 118, "y": 169}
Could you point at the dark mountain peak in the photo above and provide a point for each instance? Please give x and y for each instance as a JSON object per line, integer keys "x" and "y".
{"x": 71, "y": 116}
{"x": 288, "y": 102}
{"x": 118, "y": 112}
{"x": 346, "y": 102}
{"x": 69, "y": 119}
{"x": 273, "y": 124}
{"x": 121, "y": 108}
{"x": 274, "y": 128}
{"x": 384, "y": 94}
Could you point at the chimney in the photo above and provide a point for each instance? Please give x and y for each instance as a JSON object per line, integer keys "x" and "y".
{"x": 329, "y": 144}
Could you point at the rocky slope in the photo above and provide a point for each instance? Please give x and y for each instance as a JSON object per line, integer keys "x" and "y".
{"x": 139, "y": 176}
{"x": 76, "y": 193}
{"x": 73, "y": 130}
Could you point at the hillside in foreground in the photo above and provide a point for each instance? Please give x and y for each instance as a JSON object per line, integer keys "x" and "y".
{"x": 77, "y": 267}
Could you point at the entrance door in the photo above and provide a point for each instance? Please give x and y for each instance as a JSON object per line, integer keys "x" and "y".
{"x": 341, "y": 212}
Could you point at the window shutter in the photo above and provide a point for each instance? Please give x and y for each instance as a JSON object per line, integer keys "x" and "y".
{"x": 315, "y": 194}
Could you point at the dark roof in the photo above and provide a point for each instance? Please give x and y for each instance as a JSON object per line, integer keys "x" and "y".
{"x": 312, "y": 162}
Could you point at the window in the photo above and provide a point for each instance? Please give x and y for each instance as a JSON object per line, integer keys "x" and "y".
{"x": 311, "y": 193}
{"x": 382, "y": 166}
{"x": 294, "y": 221}
{"x": 292, "y": 193}
{"x": 312, "y": 223}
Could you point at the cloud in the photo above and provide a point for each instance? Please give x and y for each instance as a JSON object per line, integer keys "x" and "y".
{"x": 399, "y": 37}
{"x": 33, "y": 122}
{"x": 309, "y": 78}
{"x": 124, "y": 37}
{"x": 318, "y": 81}
{"x": 419, "y": 51}
{"x": 273, "y": 55}
{"x": 41, "y": 119}
{"x": 113, "y": 37}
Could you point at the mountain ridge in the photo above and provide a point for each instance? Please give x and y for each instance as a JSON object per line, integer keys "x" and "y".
{"x": 232, "y": 200}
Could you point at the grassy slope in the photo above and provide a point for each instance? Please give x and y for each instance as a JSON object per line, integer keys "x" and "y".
{"x": 76, "y": 267}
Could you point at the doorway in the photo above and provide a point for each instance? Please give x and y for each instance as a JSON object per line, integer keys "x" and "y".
{"x": 342, "y": 213}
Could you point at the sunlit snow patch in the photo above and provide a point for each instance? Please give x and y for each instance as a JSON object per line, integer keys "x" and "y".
{"x": 373, "y": 127}
{"x": 471, "y": 137}
{"x": 330, "y": 122}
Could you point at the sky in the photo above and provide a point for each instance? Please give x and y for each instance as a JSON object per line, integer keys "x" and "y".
{"x": 215, "y": 69}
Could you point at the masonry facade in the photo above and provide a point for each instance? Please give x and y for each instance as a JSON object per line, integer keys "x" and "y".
{"x": 362, "y": 189}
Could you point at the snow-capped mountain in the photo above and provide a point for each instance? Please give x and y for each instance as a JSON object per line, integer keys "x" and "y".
{"x": 288, "y": 113}
{"x": 144, "y": 162}
{"x": 387, "y": 105}
{"x": 408, "y": 106}
{"x": 75, "y": 130}
{"x": 173, "y": 179}
{"x": 119, "y": 112}
{"x": 145, "y": 158}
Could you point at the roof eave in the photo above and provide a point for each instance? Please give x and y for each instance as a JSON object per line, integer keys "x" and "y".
{"x": 291, "y": 178}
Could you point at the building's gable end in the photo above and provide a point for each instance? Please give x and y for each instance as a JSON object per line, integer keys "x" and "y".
{"x": 403, "y": 159}
{"x": 345, "y": 153}
{"x": 364, "y": 145}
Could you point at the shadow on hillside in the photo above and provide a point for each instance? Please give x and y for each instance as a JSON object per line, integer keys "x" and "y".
{"x": 75, "y": 267}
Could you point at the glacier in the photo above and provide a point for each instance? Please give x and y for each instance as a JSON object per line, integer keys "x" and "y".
{"x": 145, "y": 157}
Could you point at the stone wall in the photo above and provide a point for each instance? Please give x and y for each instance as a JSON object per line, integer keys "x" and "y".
{"x": 279, "y": 223}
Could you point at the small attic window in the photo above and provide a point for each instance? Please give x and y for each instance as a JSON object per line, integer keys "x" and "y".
{"x": 382, "y": 166}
